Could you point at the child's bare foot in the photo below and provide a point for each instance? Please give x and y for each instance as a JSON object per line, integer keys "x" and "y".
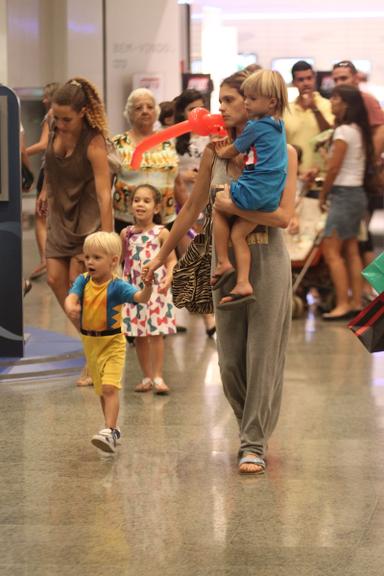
{"x": 240, "y": 290}
{"x": 221, "y": 274}
{"x": 241, "y": 294}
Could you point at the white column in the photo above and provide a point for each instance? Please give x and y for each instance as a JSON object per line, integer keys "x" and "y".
{"x": 51, "y": 40}
{"x": 85, "y": 40}
{"x": 143, "y": 45}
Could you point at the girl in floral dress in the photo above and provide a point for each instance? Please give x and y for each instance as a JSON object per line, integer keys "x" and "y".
{"x": 148, "y": 323}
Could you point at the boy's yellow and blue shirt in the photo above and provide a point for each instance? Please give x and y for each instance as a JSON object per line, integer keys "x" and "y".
{"x": 101, "y": 303}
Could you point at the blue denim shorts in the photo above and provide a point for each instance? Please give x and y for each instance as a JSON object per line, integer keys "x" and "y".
{"x": 348, "y": 205}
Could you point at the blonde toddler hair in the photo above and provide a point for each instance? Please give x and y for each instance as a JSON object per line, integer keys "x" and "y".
{"x": 270, "y": 84}
{"x": 107, "y": 242}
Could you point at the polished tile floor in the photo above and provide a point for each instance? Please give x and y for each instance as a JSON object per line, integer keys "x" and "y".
{"x": 171, "y": 502}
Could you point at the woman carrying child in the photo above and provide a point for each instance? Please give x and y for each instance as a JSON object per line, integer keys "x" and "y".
{"x": 148, "y": 323}
{"x": 261, "y": 183}
{"x": 251, "y": 339}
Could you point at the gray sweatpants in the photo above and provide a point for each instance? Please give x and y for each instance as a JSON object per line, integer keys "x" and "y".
{"x": 252, "y": 341}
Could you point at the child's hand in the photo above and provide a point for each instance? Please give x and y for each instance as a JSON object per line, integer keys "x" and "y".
{"x": 142, "y": 296}
{"x": 146, "y": 278}
{"x": 73, "y": 309}
{"x": 224, "y": 193}
{"x": 224, "y": 202}
{"x": 148, "y": 270}
{"x": 221, "y": 146}
{"x": 220, "y": 141}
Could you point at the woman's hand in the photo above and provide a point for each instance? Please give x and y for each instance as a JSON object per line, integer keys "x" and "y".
{"x": 165, "y": 285}
{"x": 294, "y": 225}
{"x": 223, "y": 201}
{"x": 309, "y": 176}
{"x": 42, "y": 204}
{"x": 149, "y": 268}
{"x": 189, "y": 176}
{"x": 323, "y": 202}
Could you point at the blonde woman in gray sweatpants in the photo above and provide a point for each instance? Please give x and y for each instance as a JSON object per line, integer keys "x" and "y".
{"x": 251, "y": 338}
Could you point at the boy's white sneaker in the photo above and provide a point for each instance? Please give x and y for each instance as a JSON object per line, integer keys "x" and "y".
{"x": 105, "y": 440}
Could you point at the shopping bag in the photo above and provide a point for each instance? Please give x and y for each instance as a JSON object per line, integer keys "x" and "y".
{"x": 368, "y": 325}
{"x": 374, "y": 273}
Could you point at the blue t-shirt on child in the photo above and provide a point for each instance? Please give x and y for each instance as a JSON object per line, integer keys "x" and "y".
{"x": 262, "y": 181}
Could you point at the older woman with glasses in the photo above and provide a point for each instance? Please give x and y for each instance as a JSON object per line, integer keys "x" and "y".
{"x": 159, "y": 166}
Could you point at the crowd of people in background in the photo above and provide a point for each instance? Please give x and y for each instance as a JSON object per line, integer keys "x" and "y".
{"x": 159, "y": 208}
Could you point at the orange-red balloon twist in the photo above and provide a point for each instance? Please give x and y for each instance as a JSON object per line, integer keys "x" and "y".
{"x": 200, "y": 121}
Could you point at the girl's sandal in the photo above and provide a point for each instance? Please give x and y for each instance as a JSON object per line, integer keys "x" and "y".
{"x": 145, "y": 385}
{"x": 159, "y": 386}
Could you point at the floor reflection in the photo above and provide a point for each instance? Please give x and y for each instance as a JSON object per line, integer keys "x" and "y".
{"x": 171, "y": 502}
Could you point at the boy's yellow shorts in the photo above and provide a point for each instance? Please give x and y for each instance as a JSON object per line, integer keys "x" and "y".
{"x": 105, "y": 359}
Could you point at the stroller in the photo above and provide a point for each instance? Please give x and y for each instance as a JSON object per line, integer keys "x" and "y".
{"x": 309, "y": 270}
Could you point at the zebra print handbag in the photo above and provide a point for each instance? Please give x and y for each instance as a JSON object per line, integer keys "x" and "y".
{"x": 191, "y": 287}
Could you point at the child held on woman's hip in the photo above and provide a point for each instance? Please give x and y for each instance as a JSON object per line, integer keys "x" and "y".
{"x": 94, "y": 303}
{"x": 261, "y": 183}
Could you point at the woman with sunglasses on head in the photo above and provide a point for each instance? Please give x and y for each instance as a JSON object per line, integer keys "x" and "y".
{"x": 344, "y": 197}
{"x": 252, "y": 339}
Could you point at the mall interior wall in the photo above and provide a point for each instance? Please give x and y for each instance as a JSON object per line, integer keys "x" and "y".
{"x": 120, "y": 44}
{"x": 325, "y": 39}
{"x": 52, "y": 40}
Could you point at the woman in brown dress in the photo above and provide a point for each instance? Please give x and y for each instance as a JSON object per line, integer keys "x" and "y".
{"x": 77, "y": 187}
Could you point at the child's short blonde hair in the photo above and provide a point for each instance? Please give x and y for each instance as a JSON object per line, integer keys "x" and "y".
{"x": 270, "y": 84}
{"x": 107, "y": 242}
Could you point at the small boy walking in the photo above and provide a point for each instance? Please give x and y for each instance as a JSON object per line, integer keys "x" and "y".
{"x": 94, "y": 302}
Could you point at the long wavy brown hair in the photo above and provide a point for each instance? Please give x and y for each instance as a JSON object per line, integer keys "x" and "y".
{"x": 79, "y": 93}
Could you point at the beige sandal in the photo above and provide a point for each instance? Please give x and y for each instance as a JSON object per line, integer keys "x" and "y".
{"x": 160, "y": 386}
{"x": 145, "y": 385}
